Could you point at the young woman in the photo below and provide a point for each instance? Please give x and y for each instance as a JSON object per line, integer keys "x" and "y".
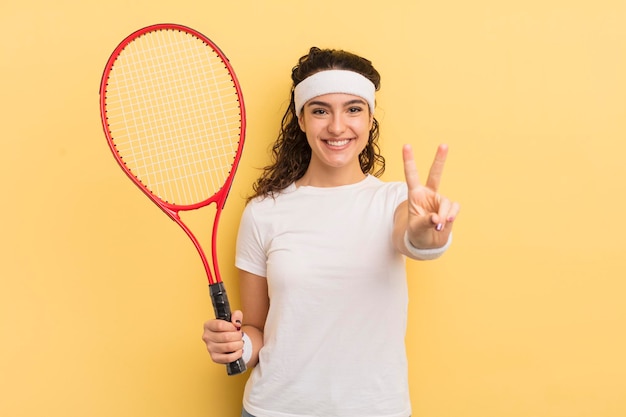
{"x": 321, "y": 252}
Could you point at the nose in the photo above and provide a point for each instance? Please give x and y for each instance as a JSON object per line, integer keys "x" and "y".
{"x": 336, "y": 124}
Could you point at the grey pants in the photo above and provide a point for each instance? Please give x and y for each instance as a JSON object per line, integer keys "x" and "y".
{"x": 244, "y": 413}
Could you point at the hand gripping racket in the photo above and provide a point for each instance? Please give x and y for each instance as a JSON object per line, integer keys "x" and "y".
{"x": 174, "y": 118}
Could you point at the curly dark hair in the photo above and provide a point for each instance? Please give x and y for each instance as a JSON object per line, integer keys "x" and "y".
{"x": 291, "y": 152}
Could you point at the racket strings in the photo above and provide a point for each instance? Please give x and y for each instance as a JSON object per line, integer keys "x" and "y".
{"x": 174, "y": 115}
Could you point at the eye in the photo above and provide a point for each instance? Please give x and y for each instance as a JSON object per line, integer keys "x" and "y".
{"x": 355, "y": 109}
{"x": 319, "y": 111}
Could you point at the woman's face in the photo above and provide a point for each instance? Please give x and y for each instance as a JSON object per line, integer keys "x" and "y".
{"x": 337, "y": 128}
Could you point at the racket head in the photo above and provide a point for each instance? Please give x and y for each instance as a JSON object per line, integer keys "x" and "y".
{"x": 173, "y": 114}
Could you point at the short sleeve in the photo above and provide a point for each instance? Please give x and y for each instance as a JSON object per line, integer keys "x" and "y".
{"x": 400, "y": 192}
{"x": 250, "y": 256}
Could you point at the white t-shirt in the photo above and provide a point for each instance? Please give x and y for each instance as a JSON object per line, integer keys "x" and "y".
{"x": 334, "y": 335}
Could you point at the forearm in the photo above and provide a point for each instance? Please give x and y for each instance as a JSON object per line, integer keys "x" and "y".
{"x": 255, "y": 305}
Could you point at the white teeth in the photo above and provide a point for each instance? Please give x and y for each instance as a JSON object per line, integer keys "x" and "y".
{"x": 338, "y": 142}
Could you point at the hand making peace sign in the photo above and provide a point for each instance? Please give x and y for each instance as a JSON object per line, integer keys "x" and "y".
{"x": 430, "y": 215}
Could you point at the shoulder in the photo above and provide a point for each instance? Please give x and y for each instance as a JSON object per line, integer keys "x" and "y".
{"x": 395, "y": 190}
{"x": 268, "y": 204}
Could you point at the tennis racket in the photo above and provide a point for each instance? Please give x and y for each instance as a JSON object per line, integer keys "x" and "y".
{"x": 174, "y": 118}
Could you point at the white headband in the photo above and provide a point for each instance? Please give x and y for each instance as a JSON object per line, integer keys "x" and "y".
{"x": 334, "y": 81}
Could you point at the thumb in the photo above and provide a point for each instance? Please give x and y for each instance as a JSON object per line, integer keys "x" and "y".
{"x": 237, "y": 318}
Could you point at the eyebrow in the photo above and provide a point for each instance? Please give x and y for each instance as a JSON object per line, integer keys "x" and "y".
{"x": 347, "y": 103}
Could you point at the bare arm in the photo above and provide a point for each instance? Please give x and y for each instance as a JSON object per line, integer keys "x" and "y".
{"x": 255, "y": 303}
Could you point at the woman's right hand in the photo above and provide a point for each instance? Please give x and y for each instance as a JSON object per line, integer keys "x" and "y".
{"x": 224, "y": 339}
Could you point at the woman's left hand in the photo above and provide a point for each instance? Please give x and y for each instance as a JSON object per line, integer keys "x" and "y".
{"x": 431, "y": 215}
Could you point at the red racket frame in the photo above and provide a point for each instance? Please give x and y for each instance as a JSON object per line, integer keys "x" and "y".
{"x": 216, "y": 287}
{"x": 173, "y": 210}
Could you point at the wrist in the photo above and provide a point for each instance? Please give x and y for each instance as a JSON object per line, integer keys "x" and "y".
{"x": 247, "y": 348}
{"x": 425, "y": 254}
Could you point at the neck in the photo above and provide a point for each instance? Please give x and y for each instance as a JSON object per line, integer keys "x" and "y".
{"x": 320, "y": 177}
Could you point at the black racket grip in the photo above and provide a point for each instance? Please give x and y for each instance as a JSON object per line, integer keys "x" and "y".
{"x": 221, "y": 307}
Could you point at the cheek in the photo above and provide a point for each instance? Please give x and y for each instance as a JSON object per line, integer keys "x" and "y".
{"x": 366, "y": 127}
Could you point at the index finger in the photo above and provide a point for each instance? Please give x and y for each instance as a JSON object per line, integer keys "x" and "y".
{"x": 218, "y": 325}
{"x": 410, "y": 170}
{"x": 436, "y": 169}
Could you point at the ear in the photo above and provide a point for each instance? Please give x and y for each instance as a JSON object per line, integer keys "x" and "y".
{"x": 301, "y": 122}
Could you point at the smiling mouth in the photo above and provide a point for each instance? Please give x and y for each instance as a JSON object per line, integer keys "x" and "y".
{"x": 337, "y": 143}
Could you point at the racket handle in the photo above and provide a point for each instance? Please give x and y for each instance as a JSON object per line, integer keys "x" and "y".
{"x": 221, "y": 306}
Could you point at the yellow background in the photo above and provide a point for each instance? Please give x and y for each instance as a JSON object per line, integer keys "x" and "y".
{"x": 102, "y": 297}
